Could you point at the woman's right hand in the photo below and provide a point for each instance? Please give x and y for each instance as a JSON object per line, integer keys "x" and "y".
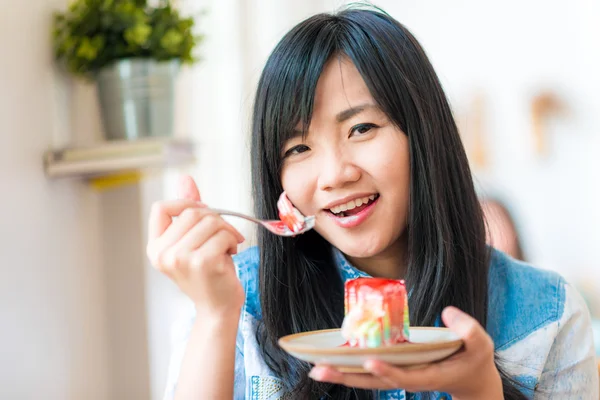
{"x": 193, "y": 246}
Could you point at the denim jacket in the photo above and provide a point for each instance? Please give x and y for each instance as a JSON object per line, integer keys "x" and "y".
{"x": 539, "y": 323}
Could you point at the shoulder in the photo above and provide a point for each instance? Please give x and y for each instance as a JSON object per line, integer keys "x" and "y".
{"x": 247, "y": 264}
{"x": 523, "y": 299}
{"x": 541, "y": 329}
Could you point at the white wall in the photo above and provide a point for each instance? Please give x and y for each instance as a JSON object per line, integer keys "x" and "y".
{"x": 73, "y": 266}
{"x": 53, "y": 342}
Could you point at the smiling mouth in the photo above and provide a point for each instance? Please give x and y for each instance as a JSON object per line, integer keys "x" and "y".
{"x": 353, "y": 207}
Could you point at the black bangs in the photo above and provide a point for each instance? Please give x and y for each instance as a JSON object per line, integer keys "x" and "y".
{"x": 289, "y": 81}
{"x": 381, "y": 62}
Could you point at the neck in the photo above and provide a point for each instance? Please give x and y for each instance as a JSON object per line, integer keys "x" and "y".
{"x": 390, "y": 263}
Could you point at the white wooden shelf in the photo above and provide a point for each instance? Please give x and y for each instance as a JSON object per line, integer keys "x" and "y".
{"x": 117, "y": 156}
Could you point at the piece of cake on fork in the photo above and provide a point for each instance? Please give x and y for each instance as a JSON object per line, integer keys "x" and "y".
{"x": 290, "y": 215}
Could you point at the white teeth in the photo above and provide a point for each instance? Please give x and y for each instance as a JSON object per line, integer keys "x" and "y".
{"x": 352, "y": 204}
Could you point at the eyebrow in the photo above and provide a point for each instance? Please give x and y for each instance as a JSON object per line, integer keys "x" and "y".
{"x": 343, "y": 115}
{"x": 351, "y": 112}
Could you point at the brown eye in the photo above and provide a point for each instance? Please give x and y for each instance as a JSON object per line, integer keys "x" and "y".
{"x": 301, "y": 148}
{"x": 361, "y": 129}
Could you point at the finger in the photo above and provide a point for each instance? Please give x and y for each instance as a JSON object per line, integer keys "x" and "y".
{"x": 204, "y": 230}
{"x": 219, "y": 245}
{"x": 363, "y": 381}
{"x": 422, "y": 378}
{"x": 173, "y": 265}
{"x": 162, "y": 213}
{"x": 383, "y": 371}
{"x": 176, "y": 260}
{"x": 179, "y": 227}
{"x": 475, "y": 338}
{"x": 191, "y": 217}
{"x": 159, "y": 250}
{"x": 188, "y": 189}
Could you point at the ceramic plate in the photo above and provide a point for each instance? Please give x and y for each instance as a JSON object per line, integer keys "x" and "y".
{"x": 324, "y": 347}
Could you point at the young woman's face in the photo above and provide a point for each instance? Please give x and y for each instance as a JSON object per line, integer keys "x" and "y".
{"x": 352, "y": 169}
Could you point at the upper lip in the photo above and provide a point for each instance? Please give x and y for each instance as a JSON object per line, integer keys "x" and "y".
{"x": 346, "y": 199}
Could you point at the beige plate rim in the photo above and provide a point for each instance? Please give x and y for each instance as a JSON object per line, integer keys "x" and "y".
{"x": 285, "y": 343}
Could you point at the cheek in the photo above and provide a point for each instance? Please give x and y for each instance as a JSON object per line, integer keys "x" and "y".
{"x": 397, "y": 173}
{"x": 397, "y": 170}
{"x": 299, "y": 186}
{"x": 388, "y": 161}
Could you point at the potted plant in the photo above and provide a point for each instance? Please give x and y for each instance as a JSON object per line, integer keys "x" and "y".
{"x": 133, "y": 51}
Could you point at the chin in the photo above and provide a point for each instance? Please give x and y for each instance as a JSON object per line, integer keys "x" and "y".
{"x": 361, "y": 250}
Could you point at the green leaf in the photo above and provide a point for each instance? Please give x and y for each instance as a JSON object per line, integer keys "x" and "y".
{"x": 138, "y": 34}
{"x": 171, "y": 40}
{"x": 87, "y": 49}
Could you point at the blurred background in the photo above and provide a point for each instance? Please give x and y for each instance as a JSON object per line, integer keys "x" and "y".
{"x": 82, "y": 313}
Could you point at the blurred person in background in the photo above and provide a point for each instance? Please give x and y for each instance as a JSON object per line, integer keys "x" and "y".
{"x": 501, "y": 228}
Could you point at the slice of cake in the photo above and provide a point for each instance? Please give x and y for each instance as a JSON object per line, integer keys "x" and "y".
{"x": 376, "y": 312}
{"x": 289, "y": 214}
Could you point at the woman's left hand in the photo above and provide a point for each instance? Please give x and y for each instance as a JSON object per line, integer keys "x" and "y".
{"x": 468, "y": 374}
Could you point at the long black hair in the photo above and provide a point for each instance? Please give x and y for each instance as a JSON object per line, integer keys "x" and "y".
{"x": 300, "y": 287}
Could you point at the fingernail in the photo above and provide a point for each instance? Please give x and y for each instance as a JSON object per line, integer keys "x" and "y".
{"x": 182, "y": 187}
{"x": 451, "y": 314}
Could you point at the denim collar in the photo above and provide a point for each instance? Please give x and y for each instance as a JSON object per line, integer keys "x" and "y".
{"x": 347, "y": 270}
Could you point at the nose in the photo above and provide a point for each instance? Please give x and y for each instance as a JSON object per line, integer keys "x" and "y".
{"x": 337, "y": 171}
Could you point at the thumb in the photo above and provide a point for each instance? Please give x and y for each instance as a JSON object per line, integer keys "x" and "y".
{"x": 188, "y": 189}
{"x": 465, "y": 326}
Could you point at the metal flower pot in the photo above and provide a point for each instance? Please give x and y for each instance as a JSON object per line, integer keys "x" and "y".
{"x": 137, "y": 98}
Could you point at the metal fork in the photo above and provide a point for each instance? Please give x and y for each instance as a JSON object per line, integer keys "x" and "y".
{"x": 275, "y": 226}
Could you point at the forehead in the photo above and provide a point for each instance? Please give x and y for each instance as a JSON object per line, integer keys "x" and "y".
{"x": 340, "y": 86}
